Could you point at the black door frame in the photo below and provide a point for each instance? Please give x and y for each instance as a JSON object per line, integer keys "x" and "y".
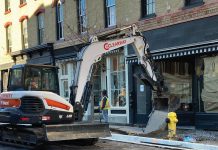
{"x": 133, "y": 117}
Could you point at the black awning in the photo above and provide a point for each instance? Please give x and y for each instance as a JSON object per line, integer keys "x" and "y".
{"x": 40, "y": 54}
{"x": 112, "y": 52}
{"x": 195, "y": 49}
{"x": 38, "y": 48}
{"x": 68, "y": 53}
{"x": 188, "y": 50}
{"x": 71, "y": 56}
{"x": 131, "y": 59}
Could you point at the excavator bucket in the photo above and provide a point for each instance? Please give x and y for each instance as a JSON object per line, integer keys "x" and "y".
{"x": 76, "y": 131}
{"x": 156, "y": 121}
{"x": 158, "y": 115}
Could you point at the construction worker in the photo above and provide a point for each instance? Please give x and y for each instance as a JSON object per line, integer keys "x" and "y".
{"x": 104, "y": 105}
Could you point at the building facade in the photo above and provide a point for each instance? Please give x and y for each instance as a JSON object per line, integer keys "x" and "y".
{"x": 184, "y": 45}
{"x": 182, "y": 35}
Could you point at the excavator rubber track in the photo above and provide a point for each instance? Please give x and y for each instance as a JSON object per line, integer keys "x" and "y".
{"x": 31, "y": 137}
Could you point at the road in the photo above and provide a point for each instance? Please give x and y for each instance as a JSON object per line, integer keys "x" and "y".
{"x": 101, "y": 145}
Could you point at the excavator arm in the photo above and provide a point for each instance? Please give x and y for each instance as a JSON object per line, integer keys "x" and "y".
{"x": 95, "y": 51}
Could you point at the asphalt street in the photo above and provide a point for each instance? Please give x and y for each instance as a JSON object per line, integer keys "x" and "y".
{"x": 101, "y": 145}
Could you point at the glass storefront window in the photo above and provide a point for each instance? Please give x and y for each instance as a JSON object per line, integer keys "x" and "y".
{"x": 178, "y": 79}
{"x": 64, "y": 69}
{"x": 121, "y": 62}
{"x": 118, "y": 81}
{"x": 65, "y": 88}
{"x": 64, "y": 80}
{"x": 114, "y": 63}
{"x": 207, "y": 73}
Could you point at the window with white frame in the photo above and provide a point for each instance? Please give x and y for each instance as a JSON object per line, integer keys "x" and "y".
{"x": 8, "y": 40}
{"x": 64, "y": 86}
{"x": 111, "y": 12}
{"x": 64, "y": 69}
{"x": 7, "y": 5}
{"x": 82, "y": 16}
{"x": 24, "y": 34}
{"x": 148, "y": 7}
{"x": 60, "y": 20}
{"x": 118, "y": 81}
{"x": 41, "y": 27}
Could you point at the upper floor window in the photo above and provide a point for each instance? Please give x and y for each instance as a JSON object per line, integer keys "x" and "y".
{"x": 24, "y": 34}
{"x": 148, "y": 7}
{"x": 22, "y": 2}
{"x": 193, "y": 2}
{"x": 60, "y": 20}
{"x": 7, "y": 5}
{"x": 40, "y": 19}
{"x": 111, "y": 12}
{"x": 82, "y": 16}
{"x": 8, "y": 39}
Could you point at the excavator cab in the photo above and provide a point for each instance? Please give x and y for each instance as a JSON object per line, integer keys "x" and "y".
{"x": 28, "y": 77}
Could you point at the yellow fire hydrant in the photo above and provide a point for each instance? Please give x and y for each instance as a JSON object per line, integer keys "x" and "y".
{"x": 171, "y": 120}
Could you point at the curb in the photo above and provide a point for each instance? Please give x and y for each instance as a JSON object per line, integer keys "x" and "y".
{"x": 125, "y": 132}
{"x": 164, "y": 143}
{"x": 119, "y": 131}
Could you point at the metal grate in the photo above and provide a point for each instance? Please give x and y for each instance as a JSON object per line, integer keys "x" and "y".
{"x": 30, "y": 104}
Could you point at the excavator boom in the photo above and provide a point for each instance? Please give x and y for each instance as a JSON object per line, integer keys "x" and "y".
{"x": 95, "y": 51}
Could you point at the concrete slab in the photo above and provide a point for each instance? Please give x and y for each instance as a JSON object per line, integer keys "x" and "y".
{"x": 156, "y": 121}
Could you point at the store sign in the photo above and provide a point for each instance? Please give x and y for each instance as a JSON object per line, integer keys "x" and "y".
{"x": 107, "y": 45}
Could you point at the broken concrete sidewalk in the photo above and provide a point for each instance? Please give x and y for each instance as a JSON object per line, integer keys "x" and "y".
{"x": 156, "y": 123}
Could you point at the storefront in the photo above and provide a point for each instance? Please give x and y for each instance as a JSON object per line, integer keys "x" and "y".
{"x": 186, "y": 54}
{"x": 139, "y": 93}
{"x": 112, "y": 74}
{"x": 130, "y": 98}
{"x": 66, "y": 60}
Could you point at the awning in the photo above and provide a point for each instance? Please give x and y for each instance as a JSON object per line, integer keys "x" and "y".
{"x": 113, "y": 52}
{"x": 131, "y": 59}
{"x": 66, "y": 60}
{"x": 40, "y": 54}
{"x": 67, "y": 53}
{"x": 38, "y": 48}
{"x": 208, "y": 47}
{"x": 188, "y": 50}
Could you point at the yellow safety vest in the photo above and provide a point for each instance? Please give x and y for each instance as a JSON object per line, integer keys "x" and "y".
{"x": 107, "y": 105}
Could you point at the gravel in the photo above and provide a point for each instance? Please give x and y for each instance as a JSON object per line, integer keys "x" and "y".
{"x": 201, "y": 136}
